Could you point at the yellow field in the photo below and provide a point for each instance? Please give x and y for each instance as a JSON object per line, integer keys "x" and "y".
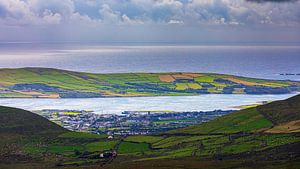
{"x": 181, "y": 86}
{"x": 194, "y": 86}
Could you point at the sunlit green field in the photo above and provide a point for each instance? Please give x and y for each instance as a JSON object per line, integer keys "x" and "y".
{"x": 244, "y": 120}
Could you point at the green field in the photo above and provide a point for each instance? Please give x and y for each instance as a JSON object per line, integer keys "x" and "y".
{"x": 187, "y": 146}
{"x": 54, "y": 83}
{"x": 132, "y": 147}
{"x": 145, "y": 139}
{"x": 244, "y": 120}
{"x": 81, "y": 135}
{"x": 101, "y": 146}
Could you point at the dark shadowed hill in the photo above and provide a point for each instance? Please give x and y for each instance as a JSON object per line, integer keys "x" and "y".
{"x": 282, "y": 111}
{"x": 17, "y": 121}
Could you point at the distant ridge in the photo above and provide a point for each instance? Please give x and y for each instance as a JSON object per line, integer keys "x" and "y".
{"x": 56, "y": 83}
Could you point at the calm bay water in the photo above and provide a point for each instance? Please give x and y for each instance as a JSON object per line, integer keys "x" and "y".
{"x": 252, "y": 61}
{"x": 118, "y": 105}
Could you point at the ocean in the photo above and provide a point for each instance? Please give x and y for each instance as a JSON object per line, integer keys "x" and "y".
{"x": 269, "y": 62}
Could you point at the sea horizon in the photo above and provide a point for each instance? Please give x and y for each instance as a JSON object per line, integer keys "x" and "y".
{"x": 266, "y": 62}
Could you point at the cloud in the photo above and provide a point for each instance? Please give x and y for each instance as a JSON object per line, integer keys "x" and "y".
{"x": 276, "y": 1}
{"x": 149, "y": 11}
{"x": 153, "y": 18}
{"x": 50, "y": 17}
{"x": 175, "y": 22}
{"x": 108, "y": 15}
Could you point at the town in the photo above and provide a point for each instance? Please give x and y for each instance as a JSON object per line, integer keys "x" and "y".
{"x": 128, "y": 122}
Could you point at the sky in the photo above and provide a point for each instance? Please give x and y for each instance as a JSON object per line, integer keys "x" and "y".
{"x": 147, "y": 21}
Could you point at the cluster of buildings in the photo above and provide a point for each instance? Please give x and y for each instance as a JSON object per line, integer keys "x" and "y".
{"x": 129, "y": 122}
{"x": 70, "y": 119}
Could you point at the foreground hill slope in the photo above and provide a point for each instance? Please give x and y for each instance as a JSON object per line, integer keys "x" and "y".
{"x": 31, "y": 141}
{"x": 55, "y": 83}
{"x": 261, "y": 118}
{"x": 249, "y": 138}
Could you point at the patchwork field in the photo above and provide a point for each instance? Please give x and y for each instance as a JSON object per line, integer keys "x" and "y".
{"x": 54, "y": 83}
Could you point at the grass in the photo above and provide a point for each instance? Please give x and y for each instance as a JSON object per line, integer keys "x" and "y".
{"x": 168, "y": 142}
{"x": 131, "y": 147}
{"x": 183, "y": 146}
{"x": 145, "y": 139}
{"x": 279, "y": 139}
{"x": 194, "y": 86}
{"x": 80, "y": 162}
{"x": 101, "y": 146}
{"x": 214, "y": 90}
{"x": 241, "y": 147}
{"x": 205, "y": 79}
{"x": 63, "y": 149}
{"x": 235, "y": 133}
{"x": 123, "y": 84}
{"x": 173, "y": 121}
{"x": 181, "y": 86}
{"x": 82, "y": 135}
{"x": 245, "y": 120}
{"x": 174, "y": 153}
{"x": 34, "y": 149}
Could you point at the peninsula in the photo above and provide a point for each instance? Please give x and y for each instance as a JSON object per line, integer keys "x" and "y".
{"x": 55, "y": 83}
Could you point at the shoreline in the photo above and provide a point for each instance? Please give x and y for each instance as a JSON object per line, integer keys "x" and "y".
{"x": 60, "y": 98}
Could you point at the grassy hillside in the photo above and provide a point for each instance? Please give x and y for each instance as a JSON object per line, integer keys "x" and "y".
{"x": 252, "y": 133}
{"x": 54, "y": 83}
{"x": 245, "y": 120}
{"x": 283, "y": 114}
{"x": 244, "y": 139}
